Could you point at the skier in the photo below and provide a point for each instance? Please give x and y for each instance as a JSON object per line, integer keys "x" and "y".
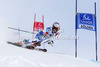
{"x": 45, "y": 37}
{"x": 40, "y": 38}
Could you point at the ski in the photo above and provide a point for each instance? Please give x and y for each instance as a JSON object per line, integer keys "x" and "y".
{"x": 14, "y": 44}
{"x": 38, "y": 49}
{"x": 27, "y": 47}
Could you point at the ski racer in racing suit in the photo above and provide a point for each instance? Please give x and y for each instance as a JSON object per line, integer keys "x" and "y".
{"x": 42, "y": 37}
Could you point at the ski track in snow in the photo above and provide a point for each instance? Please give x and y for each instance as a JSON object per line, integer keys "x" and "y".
{"x": 12, "y": 56}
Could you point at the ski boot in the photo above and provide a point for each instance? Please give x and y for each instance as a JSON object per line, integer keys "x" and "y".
{"x": 37, "y": 44}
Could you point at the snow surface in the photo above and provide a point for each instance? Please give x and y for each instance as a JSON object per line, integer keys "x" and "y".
{"x": 12, "y": 56}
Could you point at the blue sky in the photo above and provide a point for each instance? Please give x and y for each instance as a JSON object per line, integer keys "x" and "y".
{"x": 20, "y": 14}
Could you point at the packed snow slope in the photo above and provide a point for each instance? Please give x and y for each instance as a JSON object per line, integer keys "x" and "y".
{"x": 12, "y": 56}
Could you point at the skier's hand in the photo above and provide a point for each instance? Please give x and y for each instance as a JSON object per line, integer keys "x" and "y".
{"x": 50, "y": 43}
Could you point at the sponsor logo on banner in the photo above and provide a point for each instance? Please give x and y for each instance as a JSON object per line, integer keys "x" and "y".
{"x": 86, "y": 21}
{"x": 86, "y": 26}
